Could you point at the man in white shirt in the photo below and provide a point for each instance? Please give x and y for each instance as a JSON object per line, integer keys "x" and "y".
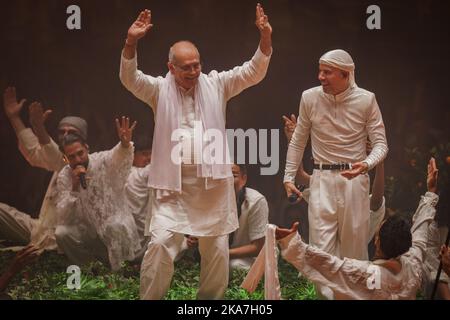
{"x": 377, "y": 201}
{"x": 94, "y": 221}
{"x": 397, "y": 269}
{"x": 39, "y": 149}
{"x": 340, "y": 117}
{"x": 190, "y": 195}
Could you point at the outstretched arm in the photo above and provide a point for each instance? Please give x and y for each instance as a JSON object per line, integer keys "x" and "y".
{"x": 346, "y": 277}
{"x": 37, "y": 147}
{"x": 23, "y": 258}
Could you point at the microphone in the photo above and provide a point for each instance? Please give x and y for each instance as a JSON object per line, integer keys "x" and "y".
{"x": 82, "y": 177}
{"x": 294, "y": 197}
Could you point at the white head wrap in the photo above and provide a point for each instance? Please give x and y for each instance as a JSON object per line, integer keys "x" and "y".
{"x": 342, "y": 60}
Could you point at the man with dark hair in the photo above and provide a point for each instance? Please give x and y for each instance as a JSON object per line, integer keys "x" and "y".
{"x": 41, "y": 151}
{"x": 394, "y": 237}
{"x": 94, "y": 222}
{"x": 397, "y": 269}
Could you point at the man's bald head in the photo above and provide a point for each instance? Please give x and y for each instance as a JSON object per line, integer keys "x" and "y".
{"x": 184, "y": 64}
{"x": 182, "y": 49}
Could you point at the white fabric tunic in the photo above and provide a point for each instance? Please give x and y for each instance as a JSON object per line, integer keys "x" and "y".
{"x": 349, "y": 278}
{"x": 339, "y": 126}
{"x": 101, "y": 208}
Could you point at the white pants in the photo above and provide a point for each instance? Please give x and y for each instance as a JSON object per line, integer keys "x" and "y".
{"x": 338, "y": 215}
{"x": 15, "y": 226}
{"x": 158, "y": 265}
{"x": 79, "y": 245}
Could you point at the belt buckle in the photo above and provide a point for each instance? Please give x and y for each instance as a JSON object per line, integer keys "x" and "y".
{"x": 342, "y": 166}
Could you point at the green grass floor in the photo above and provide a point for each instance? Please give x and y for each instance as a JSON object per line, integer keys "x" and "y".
{"x": 47, "y": 278}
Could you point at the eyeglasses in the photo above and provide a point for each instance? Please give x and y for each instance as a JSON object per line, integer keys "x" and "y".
{"x": 186, "y": 68}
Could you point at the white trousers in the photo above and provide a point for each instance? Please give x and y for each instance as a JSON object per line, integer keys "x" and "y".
{"x": 338, "y": 215}
{"x": 79, "y": 245}
{"x": 15, "y": 226}
{"x": 158, "y": 265}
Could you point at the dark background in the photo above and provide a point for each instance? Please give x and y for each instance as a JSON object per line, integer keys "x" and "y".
{"x": 406, "y": 64}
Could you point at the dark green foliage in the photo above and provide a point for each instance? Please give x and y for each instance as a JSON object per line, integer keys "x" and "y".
{"x": 46, "y": 279}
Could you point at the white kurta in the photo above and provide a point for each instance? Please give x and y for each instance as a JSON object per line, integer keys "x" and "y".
{"x": 349, "y": 278}
{"x": 205, "y": 207}
{"x": 252, "y": 225}
{"x": 41, "y": 232}
{"x": 101, "y": 208}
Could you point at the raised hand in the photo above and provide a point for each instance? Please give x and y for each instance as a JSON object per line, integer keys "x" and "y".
{"x": 432, "y": 175}
{"x": 124, "y": 131}
{"x": 289, "y": 126}
{"x": 12, "y": 107}
{"x": 282, "y": 233}
{"x": 140, "y": 27}
{"x": 37, "y": 115}
{"x": 262, "y": 21}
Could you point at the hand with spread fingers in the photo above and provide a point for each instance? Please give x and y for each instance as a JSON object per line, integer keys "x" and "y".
{"x": 10, "y": 103}
{"x": 124, "y": 131}
{"x": 140, "y": 27}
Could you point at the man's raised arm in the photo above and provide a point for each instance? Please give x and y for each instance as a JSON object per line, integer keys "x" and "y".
{"x": 143, "y": 87}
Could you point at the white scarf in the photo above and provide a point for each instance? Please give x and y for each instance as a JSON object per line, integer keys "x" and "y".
{"x": 166, "y": 175}
{"x": 266, "y": 263}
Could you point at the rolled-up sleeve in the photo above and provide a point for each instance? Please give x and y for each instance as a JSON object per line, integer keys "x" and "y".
{"x": 298, "y": 143}
{"x": 377, "y": 135}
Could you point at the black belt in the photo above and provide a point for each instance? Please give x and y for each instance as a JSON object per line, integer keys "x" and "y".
{"x": 337, "y": 166}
